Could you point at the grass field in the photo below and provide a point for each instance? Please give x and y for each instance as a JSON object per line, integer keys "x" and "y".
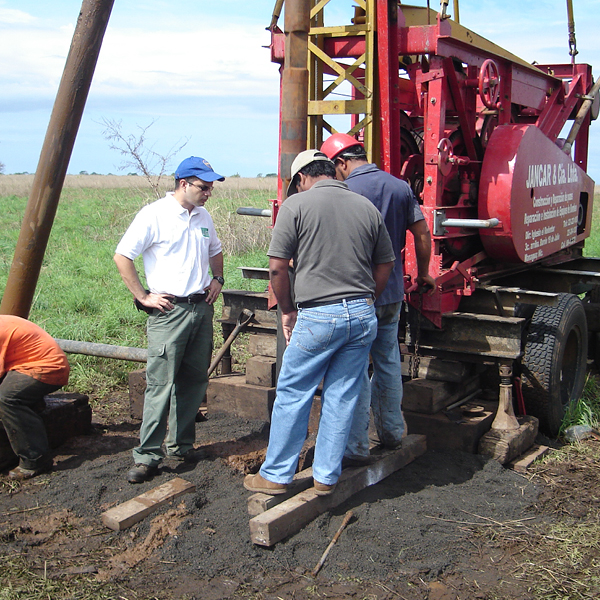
{"x": 80, "y": 295}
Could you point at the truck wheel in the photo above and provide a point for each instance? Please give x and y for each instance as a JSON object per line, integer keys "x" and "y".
{"x": 554, "y": 361}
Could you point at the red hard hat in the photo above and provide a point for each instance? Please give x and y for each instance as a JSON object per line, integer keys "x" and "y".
{"x": 338, "y": 142}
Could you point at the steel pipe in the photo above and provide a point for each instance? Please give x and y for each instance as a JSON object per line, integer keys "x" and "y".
{"x": 55, "y": 156}
{"x": 249, "y": 211}
{"x": 103, "y": 350}
{"x": 472, "y": 223}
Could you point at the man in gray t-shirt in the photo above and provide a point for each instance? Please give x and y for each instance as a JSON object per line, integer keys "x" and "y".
{"x": 342, "y": 257}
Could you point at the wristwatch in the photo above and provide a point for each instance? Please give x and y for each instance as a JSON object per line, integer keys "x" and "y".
{"x": 219, "y": 279}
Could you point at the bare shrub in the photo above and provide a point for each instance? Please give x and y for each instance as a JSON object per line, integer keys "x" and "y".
{"x": 137, "y": 155}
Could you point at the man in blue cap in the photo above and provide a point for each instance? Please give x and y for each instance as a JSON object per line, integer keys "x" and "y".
{"x": 178, "y": 242}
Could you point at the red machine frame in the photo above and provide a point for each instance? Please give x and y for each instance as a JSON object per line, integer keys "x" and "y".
{"x": 454, "y": 116}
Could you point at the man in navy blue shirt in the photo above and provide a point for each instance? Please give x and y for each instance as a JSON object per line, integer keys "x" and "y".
{"x": 400, "y": 210}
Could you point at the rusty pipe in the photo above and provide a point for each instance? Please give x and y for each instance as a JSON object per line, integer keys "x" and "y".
{"x": 54, "y": 158}
{"x": 294, "y": 86}
{"x": 581, "y": 115}
{"x": 103, "y": 350}
{"x": 275, "y": 17}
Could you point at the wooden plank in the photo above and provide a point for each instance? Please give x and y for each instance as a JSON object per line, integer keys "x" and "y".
{"x": 505, "y": 445}
{"x": 262, "y": 345}
{"x": 259, "y": 503}
{"x": 232, "y": 395}
{"x": 290, "y": 516}
{"x": 429, "y": 397}
{"x": 127, "y": 514}
{"x": 523, "y": 462}
{"x": 260, "y": 370}
{"x": 437, "y": 369}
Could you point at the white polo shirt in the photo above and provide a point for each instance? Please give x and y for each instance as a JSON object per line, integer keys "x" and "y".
{"x": 175, "y": 245}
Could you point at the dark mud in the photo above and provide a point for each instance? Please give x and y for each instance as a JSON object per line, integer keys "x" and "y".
{"x": 409, "y": 532}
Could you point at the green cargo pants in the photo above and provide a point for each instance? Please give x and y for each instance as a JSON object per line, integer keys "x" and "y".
{"x": 179, "y": 353}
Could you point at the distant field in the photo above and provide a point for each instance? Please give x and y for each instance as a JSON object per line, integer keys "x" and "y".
{"x": 20, "y": 185}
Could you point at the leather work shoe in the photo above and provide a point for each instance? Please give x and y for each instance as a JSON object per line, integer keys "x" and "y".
{"x": 357, "y": 461}
{"x": 322, "y": 489}
{"x": 141, "y": 473}
{"x": 257, "y": 483}
{"x": 20, "y": 473}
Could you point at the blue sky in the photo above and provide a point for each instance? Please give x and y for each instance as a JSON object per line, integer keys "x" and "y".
{"x": 198, "y": 69}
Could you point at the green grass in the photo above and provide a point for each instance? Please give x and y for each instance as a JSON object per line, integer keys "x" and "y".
{"x": 587, "y": 410}
{"x": 80, "y": 295}
{"x": 592, "y": 244}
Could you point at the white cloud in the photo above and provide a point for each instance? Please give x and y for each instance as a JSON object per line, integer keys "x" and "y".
{"x": 13, "y": 16}
{"x": 201, "y": 60}
{"x": 197, "y": 61}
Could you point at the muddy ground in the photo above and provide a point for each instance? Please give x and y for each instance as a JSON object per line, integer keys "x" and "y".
{"x": 447, "y": 526}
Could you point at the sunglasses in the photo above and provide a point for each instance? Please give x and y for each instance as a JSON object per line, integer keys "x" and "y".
{"x": 202, "y": 188}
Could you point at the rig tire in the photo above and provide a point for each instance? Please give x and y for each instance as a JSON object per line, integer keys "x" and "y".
{"x": 554, "y": 361}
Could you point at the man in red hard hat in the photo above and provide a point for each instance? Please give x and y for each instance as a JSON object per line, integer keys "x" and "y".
{"x": 340, "y": 266}
{"x": 400, "y": 210}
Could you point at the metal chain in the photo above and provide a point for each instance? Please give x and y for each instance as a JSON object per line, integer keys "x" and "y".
{"x": 415, "y": 359}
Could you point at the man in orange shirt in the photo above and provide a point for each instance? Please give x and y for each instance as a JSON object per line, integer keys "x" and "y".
{"x": 31, "y": 366}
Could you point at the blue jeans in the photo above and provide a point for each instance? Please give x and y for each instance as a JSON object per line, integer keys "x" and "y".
{"x": 383, "y": 393}
{"x": 329, "y": 343}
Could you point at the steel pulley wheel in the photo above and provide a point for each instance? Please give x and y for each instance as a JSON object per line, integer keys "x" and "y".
{"x": 489, "y": 84}
{"x": 554, "y": 361}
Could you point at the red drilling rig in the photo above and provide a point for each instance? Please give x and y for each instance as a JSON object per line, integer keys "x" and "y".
{"x": 476, "y": 131}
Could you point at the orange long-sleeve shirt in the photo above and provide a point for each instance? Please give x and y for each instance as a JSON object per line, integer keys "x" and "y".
{"x": 28, "y": 349}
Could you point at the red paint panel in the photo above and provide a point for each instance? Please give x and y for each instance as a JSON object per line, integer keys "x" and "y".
{"x": 542, "y": 198}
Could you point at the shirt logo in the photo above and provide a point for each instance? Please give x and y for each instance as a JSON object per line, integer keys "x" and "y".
{"x": 205, "y": 232}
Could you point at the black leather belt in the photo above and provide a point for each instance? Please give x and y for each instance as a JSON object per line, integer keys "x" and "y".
{"x": 316, "y": 303}
{"x": 192, "y": 299}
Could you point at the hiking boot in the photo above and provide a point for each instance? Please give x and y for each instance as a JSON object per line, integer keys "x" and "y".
{"x": 257, "y": 483}
{"x": 21, "y": 473}
{"x": 321, "y": 489}
{"x": 357, "y": 461}
{"x": 141, "y": 473}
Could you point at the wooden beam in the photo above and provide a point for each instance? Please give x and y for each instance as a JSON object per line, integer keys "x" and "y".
{"x": 291, "y": 515}
{"x": 127, "y": 514}
{"x": 259, "y": 503}
{"x": 523, "y": 462}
